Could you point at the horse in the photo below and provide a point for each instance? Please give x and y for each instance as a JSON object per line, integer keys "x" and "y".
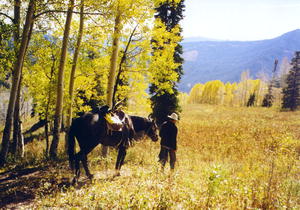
{"x": 91, "y": 129}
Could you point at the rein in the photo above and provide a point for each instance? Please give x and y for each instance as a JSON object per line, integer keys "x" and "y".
{"x": 148, "y": 129}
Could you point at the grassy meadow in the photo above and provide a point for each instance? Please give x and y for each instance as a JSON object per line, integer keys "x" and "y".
{"x": 228, "y": 158}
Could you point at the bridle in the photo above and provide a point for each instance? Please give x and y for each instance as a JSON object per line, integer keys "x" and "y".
{"x": 153, "y": 136}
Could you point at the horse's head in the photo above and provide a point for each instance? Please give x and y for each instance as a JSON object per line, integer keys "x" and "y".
{"x": 152, "y": 131}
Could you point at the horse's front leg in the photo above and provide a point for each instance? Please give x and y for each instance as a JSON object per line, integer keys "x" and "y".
{"x": 84, "y": 160}
{"x": 86, "y": 168}
{"x": 120, "y": 159}
{"x": 81, "y": 156}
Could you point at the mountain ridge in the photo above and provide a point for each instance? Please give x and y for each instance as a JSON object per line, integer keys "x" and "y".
{"x": 226, "y": 60}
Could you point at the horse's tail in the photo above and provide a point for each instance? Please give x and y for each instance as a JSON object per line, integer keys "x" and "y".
{"x": 71, "y": 146}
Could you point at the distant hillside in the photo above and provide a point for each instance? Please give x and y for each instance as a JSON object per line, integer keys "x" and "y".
{"x": 225, "y": 60}
{"x": 199, "y": 39}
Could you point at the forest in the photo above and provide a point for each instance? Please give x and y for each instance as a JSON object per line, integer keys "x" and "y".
{"x": 238, "y": 143}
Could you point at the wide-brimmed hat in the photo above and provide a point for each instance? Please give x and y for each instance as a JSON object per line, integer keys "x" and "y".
{"x": 173, "y": 116}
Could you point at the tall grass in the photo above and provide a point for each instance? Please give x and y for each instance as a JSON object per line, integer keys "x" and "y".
{"x": 228, "y": 158}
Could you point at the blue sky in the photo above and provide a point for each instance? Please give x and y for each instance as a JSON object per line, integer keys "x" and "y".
{"x": 240, "y": 19}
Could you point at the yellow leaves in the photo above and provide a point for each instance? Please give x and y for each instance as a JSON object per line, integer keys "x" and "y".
{"x": 215, "y": 92}
{"x": 196, "y": 93}
{"x": 164, "y": 38}
{"x": 129, "y": 9}
{"x": 162, "y": 62}
{"x": 138, "y": 98}
{"x": 94, "y": 57}
{"x": 159, "y": 2}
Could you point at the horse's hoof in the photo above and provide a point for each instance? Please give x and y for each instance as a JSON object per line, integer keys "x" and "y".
{"x": 117, "y": 173}
{"x": 74, "y": 181}
{"x": 90, "y": 176}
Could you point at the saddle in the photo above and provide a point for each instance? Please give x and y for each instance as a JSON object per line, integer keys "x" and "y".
{"x": 115, "y": 120}
{"x": 119, "y": 121}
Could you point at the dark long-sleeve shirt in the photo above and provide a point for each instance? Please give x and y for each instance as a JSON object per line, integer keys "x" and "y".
{"x": 168, "y": 134}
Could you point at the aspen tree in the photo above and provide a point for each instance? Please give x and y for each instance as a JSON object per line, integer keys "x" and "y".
{"x": 16, "y": 79}
{"x": 60, "y": 84}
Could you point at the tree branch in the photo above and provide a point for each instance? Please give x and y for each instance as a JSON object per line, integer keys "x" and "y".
{"x": 63, "y": 11}
{"x": 7, "y": 16}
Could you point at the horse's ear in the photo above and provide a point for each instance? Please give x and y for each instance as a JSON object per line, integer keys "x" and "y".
{"x": 117, "y": 105}
{"x": 154, "y": 123}
{"x": 150, "y": 117}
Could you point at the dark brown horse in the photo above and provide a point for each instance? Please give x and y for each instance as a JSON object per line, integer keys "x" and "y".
{"x": 91, "y": 129}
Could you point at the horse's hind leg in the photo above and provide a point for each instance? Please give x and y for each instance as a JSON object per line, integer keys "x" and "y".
{"x": 120, "y": 159}
{"x": 77, "y": 169}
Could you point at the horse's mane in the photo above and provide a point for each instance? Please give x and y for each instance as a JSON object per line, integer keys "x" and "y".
{"x": 140, "y": 123}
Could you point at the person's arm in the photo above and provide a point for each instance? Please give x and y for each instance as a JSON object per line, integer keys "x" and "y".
{"x": 175, "y": 137}
{"x": 162, "y": 130}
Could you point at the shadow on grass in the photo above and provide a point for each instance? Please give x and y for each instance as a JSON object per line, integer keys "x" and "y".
{"x": 24, "y": 185}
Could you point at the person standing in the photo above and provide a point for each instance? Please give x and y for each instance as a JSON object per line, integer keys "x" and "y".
{"x": 168, "y": 135}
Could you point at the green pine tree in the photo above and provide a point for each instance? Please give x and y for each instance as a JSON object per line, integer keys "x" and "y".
{"x": 251, "y": 100}
{"x": 164, "y": 103}
{"x": 291, "y": 94}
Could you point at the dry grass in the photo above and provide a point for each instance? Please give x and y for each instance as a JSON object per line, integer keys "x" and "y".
{"x": 228, "y": 158}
